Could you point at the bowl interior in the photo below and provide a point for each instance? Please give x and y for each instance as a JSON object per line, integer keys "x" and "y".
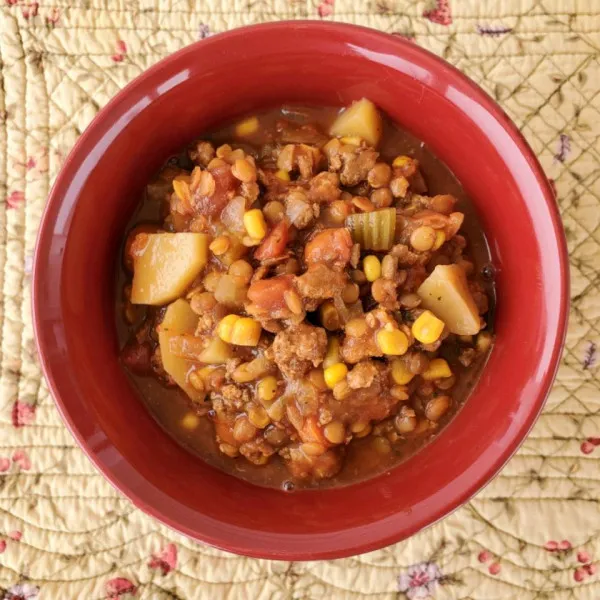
{"x": 174, "y": 102}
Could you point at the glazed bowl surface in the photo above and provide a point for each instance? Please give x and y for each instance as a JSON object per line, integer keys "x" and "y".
{"x": 207, "y": 84}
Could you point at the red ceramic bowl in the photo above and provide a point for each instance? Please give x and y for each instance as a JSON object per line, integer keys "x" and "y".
{"x": 218, "y": 79}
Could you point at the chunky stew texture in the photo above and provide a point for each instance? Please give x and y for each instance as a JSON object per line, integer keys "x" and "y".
{"x": 305, "y": 296}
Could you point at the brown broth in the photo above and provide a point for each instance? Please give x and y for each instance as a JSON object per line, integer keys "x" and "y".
{"x": 362, "y": 460}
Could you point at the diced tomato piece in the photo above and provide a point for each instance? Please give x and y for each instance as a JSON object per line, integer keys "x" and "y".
{"x": 225, "y": 186}
{"x": 331, "y": 246}
{"x": 312, "y": 432}
{"x": 275, "y": 242}
{"x": 267, "y": 294}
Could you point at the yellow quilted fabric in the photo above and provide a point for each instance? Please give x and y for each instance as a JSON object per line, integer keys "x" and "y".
{"x": 65, "y": 533}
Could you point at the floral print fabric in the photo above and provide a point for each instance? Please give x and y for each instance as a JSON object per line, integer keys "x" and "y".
{"x": 532, "y": 533}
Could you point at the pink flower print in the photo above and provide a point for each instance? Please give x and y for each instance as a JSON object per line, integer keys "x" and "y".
{"x": 494, "y": 568}
{"x": 579, "y": 574}
{"x": 587, "y": 447}
{"x": 440, "y": 13}
{"x": 165, "y": 559}
{"x": 30, "y": 10}
{"x": 53, "y": 18}
{"x": 564, "y": 545}
{"x": 121, "y": 51}
{"x": 420, "y": 580}
{"x": 15, "y": 535}
{"x": 22, "y": 591}
{"x": 484, "y": 556}
{"x": 11, "y": 2}
{"x": 551, "y": 546}
{"x": 21, "y": 458}
{"x": 2, "y": 546}
{"x": 22, "y": 414}
{"x": 325, "y": 9}
{"x": 583, "y": 556}
{"x": 117, "y": 588}
{"x": 4, "y": 464}
{"x": 590, "y": 569}
{"x": 14, "y": 199}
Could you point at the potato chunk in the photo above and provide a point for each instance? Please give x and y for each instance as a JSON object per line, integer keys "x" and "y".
{"x": 179, "y": 319}
{"x": 446, "y": 294}
{"x": 361, "y": 119}
{"x": 165, "y": 264}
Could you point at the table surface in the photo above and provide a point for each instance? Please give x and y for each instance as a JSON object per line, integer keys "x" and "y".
{"x": 532, "y": 533}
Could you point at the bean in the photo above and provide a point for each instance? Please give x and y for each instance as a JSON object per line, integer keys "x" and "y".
{"x": 358, "y": 277}
{"x": 381, "y": 445}
{"x": 446, "y": 383}
{"x": 382, "y": 197}
{"x": 196, "y": 381}
{"x": 228, "y": 450}
{"x": 350, "y": 293}
{"x": 243, "y": 430}
{"x": 211, "y": 280}
{"x": 379, "y": 175}
{"x": 399, "y": 392}
{"x": 410, "y": 301}
{"x": 220, "y": 245}
{"x": 316, "y": 377}
{"x": 313, "y": 448}
{"x": 243, "y": 170}
{"x": 241, "y": 269}
{"x": 258, "y": 416}
{"x": 356, "y": 327}
{"x": 423, "y": 238}
{"x": 437, "y": 407}
{"x": 335, "y": 432}
{"x": 274, "y": 211}
{"x": 206, "y": 184}
{"x": 275, "y": 437}
{"x": 406, "y": 420}
{"x": 293, "y": 302}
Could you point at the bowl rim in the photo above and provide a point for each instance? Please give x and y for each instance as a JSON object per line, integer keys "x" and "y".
{"x": 482, "y": 478}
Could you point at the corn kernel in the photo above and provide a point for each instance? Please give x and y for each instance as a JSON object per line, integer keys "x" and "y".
{"x": 247, "y": 127}
{"x": 267, "y": 389}
{"x": 440, "y": 238}
{"x": 332, "y": 355}
{"x": 427, "y": 328}
{"x": 401, "y": 161}
{"x": 392, "y": 342}
{"x": 334, "y": 374}
{"x": 371, "y": 267}
{"x": 400, "y": 373}
{"x": 225, "y": 327}
{"x": 438, "y": 369}
{"x": 254, "y": 222}
{"x": 246, "y": 332}
{"x": 283, "y": 175}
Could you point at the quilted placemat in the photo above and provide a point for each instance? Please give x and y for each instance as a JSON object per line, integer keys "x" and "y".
{"x": 65, "y": 533}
